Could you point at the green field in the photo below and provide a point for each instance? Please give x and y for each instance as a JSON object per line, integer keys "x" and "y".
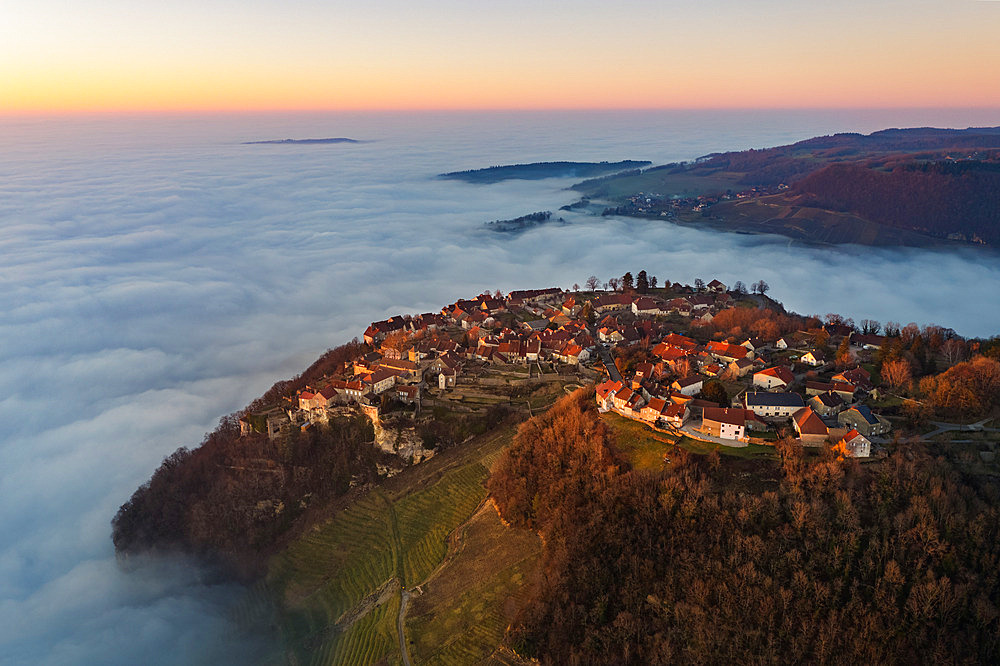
{"x": 642, "y": 447}
{"x": 338, "y": 586}
{"x": 645, "y": 448}
{"x": 661, "y": 182}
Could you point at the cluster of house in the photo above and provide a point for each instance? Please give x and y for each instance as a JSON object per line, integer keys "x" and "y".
{"x": 644, "y": 204}
{"x": 411, "y": 352}
{"x": 663, "y": 393}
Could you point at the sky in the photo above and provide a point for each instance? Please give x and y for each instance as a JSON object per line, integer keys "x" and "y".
{"x": 61, "y": 56}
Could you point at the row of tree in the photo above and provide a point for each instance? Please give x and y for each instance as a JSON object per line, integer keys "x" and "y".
{"x": 641, "y": 283}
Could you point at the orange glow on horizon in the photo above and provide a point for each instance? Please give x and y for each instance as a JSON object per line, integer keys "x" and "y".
{"x": 401, "y": 58}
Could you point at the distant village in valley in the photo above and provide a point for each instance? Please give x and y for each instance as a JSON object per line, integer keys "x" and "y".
{"x": 650, "y": 351}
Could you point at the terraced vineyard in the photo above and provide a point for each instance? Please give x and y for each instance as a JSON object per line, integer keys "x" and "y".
{"x": 463, "y": 612}
{"x": 371, "y": 639}
{"x": 426, "y": 518}
{"x": 339, "y": 585}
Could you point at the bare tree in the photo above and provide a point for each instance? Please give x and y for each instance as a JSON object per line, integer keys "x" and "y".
{"x": 576, "y": 287}
{"x": 739, "y": 287}
{"x": 613, "y": 283}
{"x": 953, "y": 350}
{"x": 699, "y": 284}
{"x": 897, "y": 373}
{"x": 652, "y": 282}
{"x": 870, "y": 327}
{"x": 909, "y": 333}
{"x": 593, "y": 283}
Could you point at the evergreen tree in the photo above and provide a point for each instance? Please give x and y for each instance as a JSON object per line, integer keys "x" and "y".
{"x": 642, "y": 283}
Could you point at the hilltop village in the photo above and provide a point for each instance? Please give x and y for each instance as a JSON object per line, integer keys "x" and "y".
{"x": 653, "y": 356}
{"x": 594, "y": 438}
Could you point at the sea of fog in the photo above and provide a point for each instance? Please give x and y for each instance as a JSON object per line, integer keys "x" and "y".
{"x": 157, "y": 274}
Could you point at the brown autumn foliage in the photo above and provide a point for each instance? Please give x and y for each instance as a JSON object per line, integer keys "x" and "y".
{"x": 897, "y": 372}
{"x": 231, "y": 498}
{"x": 398, "y": 340}
{"x": 795, "y": 562}
{"x": 764, "y": 323}
{"x": 330, "y": 362}
{"x": 557, "y": 458}
{"x": 935, "y": 197}
{"x": 970, "y": 388}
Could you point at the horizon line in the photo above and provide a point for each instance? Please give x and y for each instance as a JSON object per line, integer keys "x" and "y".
{"x": 140, "y": 111}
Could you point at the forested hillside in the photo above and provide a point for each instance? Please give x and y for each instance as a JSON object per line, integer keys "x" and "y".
{"x": 896, "y": 563}
{"x": 231, "y": 498}
{"x": 939, "y": 198}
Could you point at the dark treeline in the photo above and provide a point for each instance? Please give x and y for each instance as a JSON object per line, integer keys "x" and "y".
{"x": 938, "y": 198}
{"x": 539, "y": 170}
{"x": 793, "y": 562}
{"x": 233, "y": 497}
{"x": 522, "y": 222}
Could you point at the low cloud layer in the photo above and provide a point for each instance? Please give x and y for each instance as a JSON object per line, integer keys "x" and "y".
{"x": 159, "y": 274}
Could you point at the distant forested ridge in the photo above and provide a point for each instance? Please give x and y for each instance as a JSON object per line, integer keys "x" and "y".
{"x": 897, "y": 186}
{"x": 793, "y": 562}
{"x": 785, "y": 164}
{"x": 339, "y": 139}
{"x": 940, "y": 198}
{"x": 521, "y": 223}
{"x": 539, "y": 170}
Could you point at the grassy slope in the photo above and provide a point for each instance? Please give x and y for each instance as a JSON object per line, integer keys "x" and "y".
{"x": 661, "y": 182}
{"x": 462, "y": 614}
{"x": 394, "y": 535}
{"x": 644, "y": 447}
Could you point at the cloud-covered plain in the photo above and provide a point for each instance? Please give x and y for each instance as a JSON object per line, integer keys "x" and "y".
{"x": 158, "y": 274}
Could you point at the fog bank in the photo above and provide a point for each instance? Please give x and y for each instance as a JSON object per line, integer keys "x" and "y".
{"x": 159, "y": 274}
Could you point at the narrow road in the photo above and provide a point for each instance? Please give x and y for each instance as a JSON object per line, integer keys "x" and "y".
{"x": 942, "y": 427}
{"x": 609, "y": 364}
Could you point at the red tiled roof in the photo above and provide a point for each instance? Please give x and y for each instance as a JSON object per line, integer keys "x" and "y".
{"x": 675, "y": 409}
{"x": 780, "y": 372}
{"x": 731, "y": 415}
{"x": 809, "y": 422}
{"x": 657, "y": 405}
{"x": 851, "y": 435}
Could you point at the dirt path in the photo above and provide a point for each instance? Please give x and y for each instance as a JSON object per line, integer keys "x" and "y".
{"x": 403, "y": 601}
{"x": 367, "y": 605}
{"x": 456, "y": 543}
